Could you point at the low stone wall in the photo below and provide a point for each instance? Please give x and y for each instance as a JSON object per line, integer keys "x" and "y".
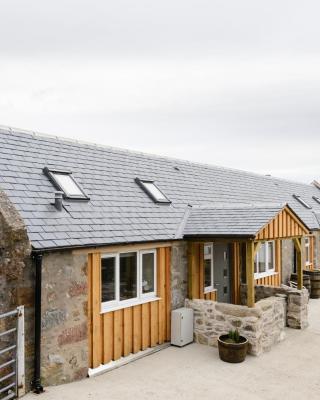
{"x": 263, "y": 325}
{"x": 297, "y": 302}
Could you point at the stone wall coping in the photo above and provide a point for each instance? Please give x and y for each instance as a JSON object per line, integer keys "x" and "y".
{"x": 238, "y": 311}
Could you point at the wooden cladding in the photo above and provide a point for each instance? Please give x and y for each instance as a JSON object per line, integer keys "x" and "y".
{"x": 285, "y": 224}
{"x": 196, "y": 273}
{"x": 117, "y": 334}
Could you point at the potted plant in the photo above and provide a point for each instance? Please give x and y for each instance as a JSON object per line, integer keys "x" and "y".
{"x": 232, "y": 347}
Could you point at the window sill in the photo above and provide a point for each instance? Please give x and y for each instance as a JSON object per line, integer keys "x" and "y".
{"x": 106, "y": 308}
{"x": 265, "y": 274}
{"x": 209, "y": 291}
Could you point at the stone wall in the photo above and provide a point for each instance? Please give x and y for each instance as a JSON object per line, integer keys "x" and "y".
{"x": 297, "y": 302}
{"x": 64, "y": 347}
{"x": 179, "y": 274}
{"x": 16, "y": 274}
{"x": 263, "y": 325}
{"x": 287, "y": 260}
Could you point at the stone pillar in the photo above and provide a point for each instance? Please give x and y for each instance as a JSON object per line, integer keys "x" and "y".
{"x": 179, "y": 274}
{"x": 297, "y": 311}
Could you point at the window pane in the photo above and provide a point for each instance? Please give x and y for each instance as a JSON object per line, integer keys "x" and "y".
{"x": 207, "y": 250}
{"x": 68, "y": 185}
{"x": 307, "y": 244}
{"x": 148, "y": 273}
{"x": 108, "y": 279}
{"x": 128, "y": 276}
{"x": 154, "y": 191}
{"x": 270, "y": 256}
{"x": 256, "y": 264}
{"x": 207, "y": 273}
{"x": 262, "y": 258}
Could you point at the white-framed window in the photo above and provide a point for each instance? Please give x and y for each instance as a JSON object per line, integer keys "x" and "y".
{"x": 265, "y": 260}
{"x": 308, "y": 250}
{"x": 127, "y": 278}
{"x": 208, "y": 267}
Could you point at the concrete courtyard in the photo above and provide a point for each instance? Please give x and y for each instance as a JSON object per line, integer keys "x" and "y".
{"x": 290, "y": 371}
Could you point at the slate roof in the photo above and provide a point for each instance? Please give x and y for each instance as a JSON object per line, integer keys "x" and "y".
{"x": 233, "y": 220}
{"x": 119, "y": 211}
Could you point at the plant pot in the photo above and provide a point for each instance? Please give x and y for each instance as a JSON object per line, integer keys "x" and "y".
{"x": 232, "y": 352}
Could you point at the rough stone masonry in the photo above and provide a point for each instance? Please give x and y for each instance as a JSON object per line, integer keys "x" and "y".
{"x": 263, "y": 325}
{"x": 16, "y": 275}
{"x": 64, "y": 347}
{"x": 297, "y": 302}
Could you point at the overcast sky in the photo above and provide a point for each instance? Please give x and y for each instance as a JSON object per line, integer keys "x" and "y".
{"x": 227, "y": 82}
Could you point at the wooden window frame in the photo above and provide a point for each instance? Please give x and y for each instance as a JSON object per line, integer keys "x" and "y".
{"x": 269, "y": 271}
{"x": 112, "y": 303}
{"x": 154, "y": 292}
{"x": 208, "y": 289}
{"x": 141, "y": 298}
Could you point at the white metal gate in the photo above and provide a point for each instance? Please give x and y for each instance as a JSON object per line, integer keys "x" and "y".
{"x": 12, "y": 379}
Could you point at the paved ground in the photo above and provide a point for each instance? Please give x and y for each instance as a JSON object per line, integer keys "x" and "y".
{"x": 290, "y": 371}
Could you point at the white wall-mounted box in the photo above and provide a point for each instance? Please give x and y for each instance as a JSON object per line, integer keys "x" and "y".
{"x": 182, "y": 326}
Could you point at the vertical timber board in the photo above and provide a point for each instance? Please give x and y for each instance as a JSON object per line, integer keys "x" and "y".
{"x": 137, "y": 324}
{"x": 276, "y": 227}
{"x": 127, "y": 331}
{"x": 108, "y": 330}
{"x": 145, "y": 326}
{"x": 201, "y": 271}
{"x": 118, "y": 334}
{"x": 289, "y": 225}
{"x": 194, "y": 273}
{"x": 96, "y": 317}
{"x": 154, "y": 327}
{"x": 90, "y": 341}
{"x": 168, "y": 292}
{"x": 250, "y": 273}
{"x": 162, "y": 293}
{"x": 280, "y": 225}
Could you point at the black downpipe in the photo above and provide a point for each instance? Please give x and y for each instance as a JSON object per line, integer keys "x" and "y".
{"x": 36, "y": 383}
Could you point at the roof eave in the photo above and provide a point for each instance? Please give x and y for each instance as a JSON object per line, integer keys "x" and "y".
{"x": 222, "y": 236}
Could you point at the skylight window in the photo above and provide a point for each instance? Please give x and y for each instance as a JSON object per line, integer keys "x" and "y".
{"x": 301, "y": 201}
{"x": 317, "y": 199}
{"x": 65, "y": 182}
{"x": 152, "y": 191}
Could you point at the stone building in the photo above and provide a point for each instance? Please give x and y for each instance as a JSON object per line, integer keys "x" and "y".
{"x": 117, "y": 239}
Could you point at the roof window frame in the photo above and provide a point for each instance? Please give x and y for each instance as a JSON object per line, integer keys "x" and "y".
{"x": 316, "y": 199}
{"x": 302, "y": 202}
{"x": 141, "y": 183}
{"x": 50, "y": 173}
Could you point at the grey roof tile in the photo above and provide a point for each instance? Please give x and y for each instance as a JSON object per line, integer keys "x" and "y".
{"x": 118, "y": 210}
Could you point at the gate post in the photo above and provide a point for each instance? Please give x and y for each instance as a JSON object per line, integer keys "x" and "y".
{"x": 21, "y": 388}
